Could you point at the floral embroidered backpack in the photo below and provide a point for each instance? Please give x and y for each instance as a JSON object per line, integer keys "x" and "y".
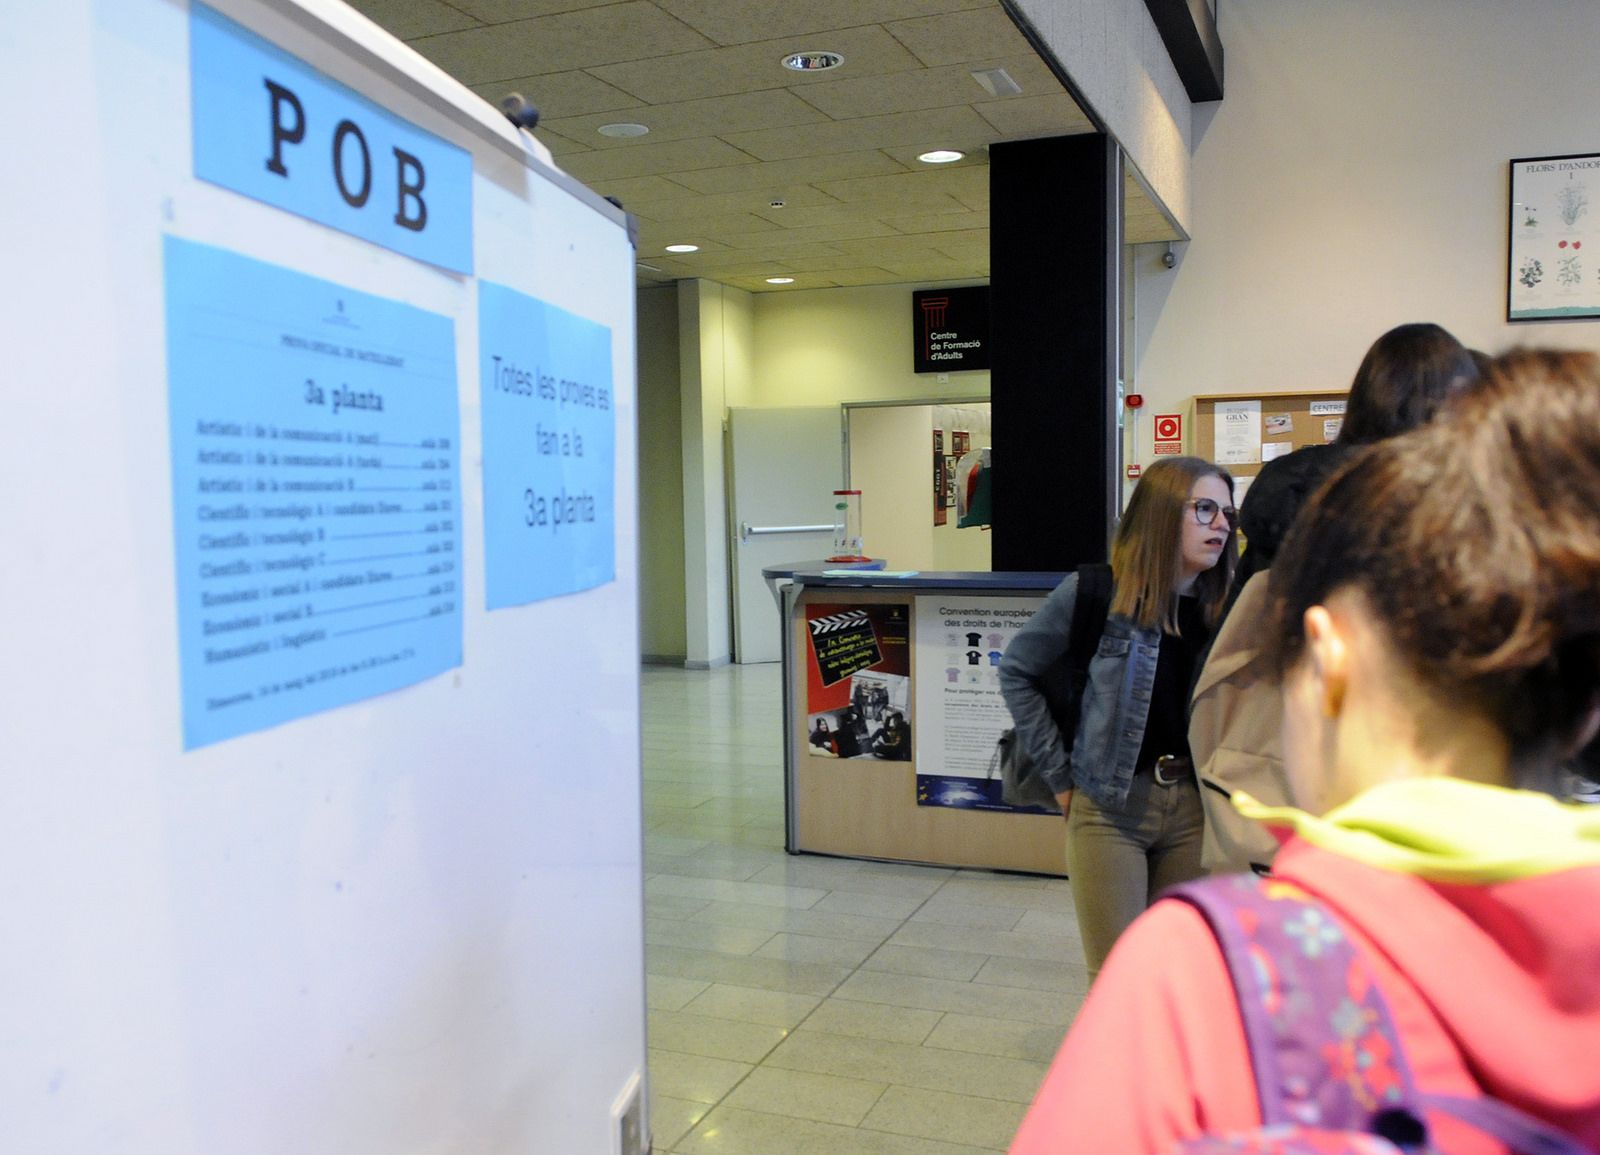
{"x": 1331, "y": 1073}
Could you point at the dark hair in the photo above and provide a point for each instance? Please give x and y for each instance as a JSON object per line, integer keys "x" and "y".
{"x": 1475, "y": 541}
{"x": 1404, "y": 378}
{"x": 1144, "y": 552}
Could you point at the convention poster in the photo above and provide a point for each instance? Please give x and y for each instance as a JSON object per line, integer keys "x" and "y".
{"x": 960, "y": 713}
{"x": 858, "y": 682}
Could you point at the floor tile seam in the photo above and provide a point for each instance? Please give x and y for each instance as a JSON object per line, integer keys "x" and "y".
{"x": 947, "y": 1011}
{"x": 916, "y": 1135}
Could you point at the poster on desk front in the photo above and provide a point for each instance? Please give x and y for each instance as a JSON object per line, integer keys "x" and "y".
{"x": 858, "y": 682}
{"x": 961, "y": 639}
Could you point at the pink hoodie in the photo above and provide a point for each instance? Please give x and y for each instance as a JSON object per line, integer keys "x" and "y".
{"x": 1490, "y": 962}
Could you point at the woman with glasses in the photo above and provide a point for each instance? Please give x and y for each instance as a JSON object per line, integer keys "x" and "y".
{"x": 1436, "y": 616}
{"x": 1126, "y": 785}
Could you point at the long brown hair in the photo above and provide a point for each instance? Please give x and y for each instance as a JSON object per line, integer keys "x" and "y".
{"x": 1145, "y": 551}
{"x": 1475, "y": 541}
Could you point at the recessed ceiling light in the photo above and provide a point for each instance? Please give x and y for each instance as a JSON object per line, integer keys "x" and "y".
{"x": 812, "y": 61}
{"x": 623, "y": 129}
{"x": 941, "y": 156}
{"x": 683, "y": 248}
{"x": 780, "y": 280}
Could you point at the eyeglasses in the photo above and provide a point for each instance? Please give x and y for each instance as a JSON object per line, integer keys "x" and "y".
{"x": 1206, "y": 510}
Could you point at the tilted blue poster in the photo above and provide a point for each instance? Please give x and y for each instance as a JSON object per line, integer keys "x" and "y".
{"x": 315, "y": 492}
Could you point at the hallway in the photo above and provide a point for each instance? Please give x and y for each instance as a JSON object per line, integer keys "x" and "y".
{"x": 818, "y": 1005}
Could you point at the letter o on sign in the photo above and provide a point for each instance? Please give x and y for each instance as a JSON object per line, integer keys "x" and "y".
{"x": 1169, "y": 427}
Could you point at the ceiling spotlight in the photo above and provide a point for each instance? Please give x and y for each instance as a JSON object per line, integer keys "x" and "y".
{"x": 683, "y": 248}
{"x": 623, "y": 129}
{"x": 780, "y": 280}
{"x": 812, "y": 61}
{"x": 941, "y": 156}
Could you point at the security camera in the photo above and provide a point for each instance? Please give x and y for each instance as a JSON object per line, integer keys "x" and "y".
{"x": 518, "y": 110}
{"x": 1169, "y": 258}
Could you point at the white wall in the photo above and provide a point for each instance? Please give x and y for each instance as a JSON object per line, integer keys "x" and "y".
{"x": 714, "y": 367}
{"x": 1354, "y": 178}
{"x": 820, "y": 346}
{"x": 661, "y": 552}
{"x": 1120, "y": 67}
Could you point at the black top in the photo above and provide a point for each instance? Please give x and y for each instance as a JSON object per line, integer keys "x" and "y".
{"x": 1166, "y": 730}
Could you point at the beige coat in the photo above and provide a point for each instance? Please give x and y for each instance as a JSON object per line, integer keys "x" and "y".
{"x": 1236, "y": 736}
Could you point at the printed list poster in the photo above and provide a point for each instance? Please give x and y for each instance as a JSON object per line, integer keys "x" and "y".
{"x": 549, "y": 447}
{"x": 960, "y": 713}
{"x": 314, "y": 489}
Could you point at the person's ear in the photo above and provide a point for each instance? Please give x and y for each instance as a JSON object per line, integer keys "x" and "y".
{"x": 1328, "y": 651}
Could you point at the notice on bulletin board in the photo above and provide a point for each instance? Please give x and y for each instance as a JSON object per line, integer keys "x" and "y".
{"x": 960, "y": 713}
{"x": 1238, "y": 432}
{"x": 858, "y": 682}
{"x": 549, "y": 449}
{"x": 315, "y": 490}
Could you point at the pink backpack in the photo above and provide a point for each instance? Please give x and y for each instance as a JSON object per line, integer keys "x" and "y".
{"x": 1331, "y": 1072}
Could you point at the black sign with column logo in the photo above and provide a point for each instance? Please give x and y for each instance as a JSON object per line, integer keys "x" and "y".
{"x": 951, "y": 328}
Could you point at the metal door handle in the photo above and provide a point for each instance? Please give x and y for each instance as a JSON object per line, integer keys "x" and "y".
{"x": 747, "y": 531}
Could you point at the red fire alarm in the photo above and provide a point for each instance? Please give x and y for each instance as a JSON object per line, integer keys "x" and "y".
{"x": 1135, "y": 400}
{"x": 1133, "y": 471}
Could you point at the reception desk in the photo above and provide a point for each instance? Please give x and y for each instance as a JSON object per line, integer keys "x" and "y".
{"x": 891, "y": 712}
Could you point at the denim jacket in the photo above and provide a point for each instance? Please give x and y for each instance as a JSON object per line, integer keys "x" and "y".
{"x": 1116, "y": 700}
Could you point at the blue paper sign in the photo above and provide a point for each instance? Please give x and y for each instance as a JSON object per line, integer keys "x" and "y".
{"x": 271, "y": 127}
{"x": 315, "y": 492}
{"x": 549, "y": 446}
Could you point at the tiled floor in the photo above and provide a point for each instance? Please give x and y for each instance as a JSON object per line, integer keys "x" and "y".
{"x": 826, "y": 1006}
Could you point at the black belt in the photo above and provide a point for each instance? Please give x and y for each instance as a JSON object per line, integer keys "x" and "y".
{"x": 1171, "y": 769}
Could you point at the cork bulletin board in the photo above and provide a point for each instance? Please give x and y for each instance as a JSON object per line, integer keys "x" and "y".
{"x": 1243, "y": 431}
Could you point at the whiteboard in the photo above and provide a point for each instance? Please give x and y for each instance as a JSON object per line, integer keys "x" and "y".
{"x": 411, "y": 923}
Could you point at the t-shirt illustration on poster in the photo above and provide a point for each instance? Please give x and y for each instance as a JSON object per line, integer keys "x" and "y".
{"x": 960, "y": 713}
{"x": 858, "y": 683}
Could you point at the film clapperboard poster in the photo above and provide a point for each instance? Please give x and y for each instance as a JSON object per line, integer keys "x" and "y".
{"x": 858, "y": 683}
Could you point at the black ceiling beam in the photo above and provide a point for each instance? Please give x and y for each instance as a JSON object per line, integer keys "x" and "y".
{"x": 1189, "y": 30}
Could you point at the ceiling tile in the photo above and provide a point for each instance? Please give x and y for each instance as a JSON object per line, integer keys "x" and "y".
{"x": 628, "y": 31}
{"x": 506, "y": 11}
{"x": 905, "y": 191}
{"x": 957, "y": 37}
{"x": 863, "y": 275}
{"x": 714, "y": 116}
{"x": 665, "y": 78}
{"x": 778, "y": 175}
{"x": 935, "y": 270}
{"x": 411, "y": 18}
{"x": 740, "y": 21}
{"x": 797, "y": 201}
{"x": 673, "y": 156}
{"x": 938, "y": 222}
{"x": 793, "y": 216}
{"x": 923, "y": 88}
{"x": 1028, "y": 117}
{"x": 644, "y": 189}
{"x": 791, "y": 239}
{"x": 928, "y": 129}
{"x": 561, "y": 94}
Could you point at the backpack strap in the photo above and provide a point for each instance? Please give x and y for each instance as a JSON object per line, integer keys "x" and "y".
{"x": 1063, "y": 681}
{"x": 1323, "y": 1045}
{"x": 1090, "y": 608}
